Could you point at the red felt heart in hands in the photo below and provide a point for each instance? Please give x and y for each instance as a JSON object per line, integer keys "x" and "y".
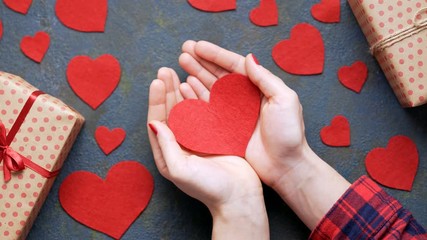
{"x": 396, "y": 165}
{"x": 20, "y": 6}
{"x": 337, "y": 134}
{"x": 266, "y": 14}
{"x": 83, "y": 15}
{"x": 222, "y": 126}
{"x": 353, "y": 77}
{"x": 303, "y": 53}
{"x": 35, "y": 47}
{"x": 108, "y": 140}
{"x": 213, "y": 5}
{"x": 327, "y": 11}
{"x": 111, "y": 205}
{"x": 93, "y": 80}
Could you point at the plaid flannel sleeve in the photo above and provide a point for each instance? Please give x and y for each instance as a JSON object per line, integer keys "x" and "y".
{"x": 365, "y": 211}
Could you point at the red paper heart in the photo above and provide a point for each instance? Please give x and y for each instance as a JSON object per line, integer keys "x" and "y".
{"x": 303, "y": 53}
{"x": 396, "y": 165}
{"x": 327, "y": 11}
{"x": 20, "y": 6}
{"x": 1, "y": 29}
{"x": 354, "y": 77}
{"x": 35, "y": 47}
{"x": 111, "y": 205}
{"x": 266, "y": 14}
{"x": 337, "y": 134}
{"x": 213, "y": 5}
{"x": 222, "y": 126}
{"x": 83, "y": 15}
{"x": 93, "y": 80}
{"x": 108, "y": 140}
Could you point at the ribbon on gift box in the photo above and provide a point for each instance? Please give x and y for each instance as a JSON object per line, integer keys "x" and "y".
{"x": 12, "y": 160}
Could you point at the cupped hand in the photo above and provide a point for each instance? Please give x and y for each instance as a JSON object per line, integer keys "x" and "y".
{"x": 227, "y": 185}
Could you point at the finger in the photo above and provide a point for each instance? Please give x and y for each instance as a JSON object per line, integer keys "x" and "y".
{"x": 165, "y": 75}
{"x": 176, "y": 83}
{"x": 201, "y": 91}
{"x": 187, "y": 91}
{"x": 193, "y": 67}
{"x": 157, "y": 111}
{"x": 217, "y": 71}
{"x": 230, "y": 61}
{"x": 269, "y": 84}
{"x": 170, "y": 149}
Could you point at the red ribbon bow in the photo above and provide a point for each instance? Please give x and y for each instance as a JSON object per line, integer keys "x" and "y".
{"x": 12, "y": 161}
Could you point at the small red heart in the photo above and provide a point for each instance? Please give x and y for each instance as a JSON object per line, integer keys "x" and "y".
{"x": 213, "y": 5}
{"x": 327, "y": 11}
{"x": 337, "y": 134}
{"x": 20, "y": 6}
{"x": 354, "y": 77}
{"x": 111, "y": 205}
{"x": 396, "y": 165}
{"x": 222, "y": 126}
{"x": 35, "y": 47}
{"x": 1, "y": 29}
{"x": 93, "y": 80}
{"x": 108, "y": 140}
{"x": 303, "y": 53}
{"x": 83, "y": 15}
{"x": 266, "y": 14}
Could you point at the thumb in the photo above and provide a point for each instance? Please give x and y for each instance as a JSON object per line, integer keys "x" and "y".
{"x": 170, "y": 149}
{"x": 269, "y": 84}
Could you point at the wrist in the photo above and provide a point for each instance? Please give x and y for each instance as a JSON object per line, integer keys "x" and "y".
{"x": 242, "y": 219}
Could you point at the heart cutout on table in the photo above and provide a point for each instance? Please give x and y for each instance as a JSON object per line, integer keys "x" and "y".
{"x": 213, "y": 5}
{"x": 108, "y": 140}
{"x": 337, "y": 134}
{"x": 396, "y": 165}
{"x": 35, "y": 47}
{"x": 94, "y": 80}
{"x": 303, "y": 53}
{"x": 19, "y": 6}
{"x": 266, "y": 14}
{"x": 83, "y": 15}
{"x": 222, "y": 126}
{"x": 353, "y": 77}
{"x": 327, "y": 11}
{"x": 111, "y": 205}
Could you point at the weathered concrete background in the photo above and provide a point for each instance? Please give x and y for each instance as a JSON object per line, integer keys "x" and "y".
{"x": 146, "y": 35}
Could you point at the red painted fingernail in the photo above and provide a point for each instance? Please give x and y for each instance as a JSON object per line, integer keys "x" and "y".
{"x": 153, "y": 128}
{"x": 255, "y": 59}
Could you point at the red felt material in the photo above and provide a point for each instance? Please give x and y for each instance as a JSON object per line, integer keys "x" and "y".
{"x": 303, "y": 53}
{"x": 94, "y": 80}
{"x": 327, "y": 11}
{"x": 111, "y": 205}
{"x": 396, "y": 165}
{"x": 35, "y": 47}
{"x": 213, "y": 5}
{"x": 337, "y": 134}
{"x": 83, "y": 15}
{"x": 353, "y": 77}
{"x": 222, "y": 126}
{"x": 1, "y": 29}
{"x": 19, "y": 6}
{"x": 108, "y": 140}
{"x": 266, "y": 14}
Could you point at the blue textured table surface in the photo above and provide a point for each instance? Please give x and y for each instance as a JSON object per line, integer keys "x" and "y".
{"x": 146, "y": 35}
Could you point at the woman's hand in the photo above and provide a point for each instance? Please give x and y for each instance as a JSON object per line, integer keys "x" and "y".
{"x": 227, "y": 185}
{"x": 278, "y": 150}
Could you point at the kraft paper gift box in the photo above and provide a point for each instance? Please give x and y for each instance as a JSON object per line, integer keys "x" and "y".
{"x": 397, "y": 34}
{"x": 36, "y": 133}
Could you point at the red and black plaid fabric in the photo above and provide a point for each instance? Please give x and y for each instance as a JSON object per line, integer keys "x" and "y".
{"x": 365, "y": 211}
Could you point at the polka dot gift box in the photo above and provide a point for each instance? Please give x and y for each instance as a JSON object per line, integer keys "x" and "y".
{"x": 397, "y": 34}
{"x": 36, "y": 134}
